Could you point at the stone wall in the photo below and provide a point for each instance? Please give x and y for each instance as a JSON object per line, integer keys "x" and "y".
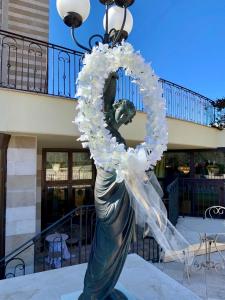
{"x": 0, "y": 11}
{"x": 21, "y": 194}
{"x": 26, "y": 17}
{"x": 38, "y": 195}
{"x": 27, "y": 59}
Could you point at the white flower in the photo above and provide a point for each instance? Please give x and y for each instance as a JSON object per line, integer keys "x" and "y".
{"x": 104, "y": 148}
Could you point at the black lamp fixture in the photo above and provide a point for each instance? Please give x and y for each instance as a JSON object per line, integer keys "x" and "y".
{"x": 117, "y": 22}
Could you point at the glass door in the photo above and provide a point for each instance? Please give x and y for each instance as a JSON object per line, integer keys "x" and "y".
{"x": 82, "y": 195}
{"x": 57, "y": 204}
{"x": 68, "y": 183}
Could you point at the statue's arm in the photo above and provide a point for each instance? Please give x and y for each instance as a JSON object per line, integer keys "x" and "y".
{"x": 109, "y": 92}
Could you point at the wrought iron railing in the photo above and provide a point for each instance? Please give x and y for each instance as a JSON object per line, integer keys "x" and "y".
{"x": 66, "y": 242}
{"x": 173, "y": 201}
{"x": 196, "y": 195}
{"x": 32, "y": 65}
{"x": 184, "y": 104}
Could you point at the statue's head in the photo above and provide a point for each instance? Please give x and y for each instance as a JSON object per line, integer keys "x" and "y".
{"x": 124, "y": 112}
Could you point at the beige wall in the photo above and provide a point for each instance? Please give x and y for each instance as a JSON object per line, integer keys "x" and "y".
{"x": 35, "y": 113}
{"x": 51, "y": 118}
{"x": 192, "y": 135}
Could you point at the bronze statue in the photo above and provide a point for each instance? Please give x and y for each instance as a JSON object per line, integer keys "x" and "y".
{"x": 115, "y": 216}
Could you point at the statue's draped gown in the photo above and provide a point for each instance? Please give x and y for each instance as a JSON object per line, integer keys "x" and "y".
{"x": 114, "y": 230}
{"x": 114, "y": 225}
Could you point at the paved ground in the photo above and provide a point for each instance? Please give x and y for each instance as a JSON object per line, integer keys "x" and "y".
{"x": 207, "y": 284}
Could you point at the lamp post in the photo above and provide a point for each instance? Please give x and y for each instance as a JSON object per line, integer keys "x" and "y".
{"x": 117, "y": 22}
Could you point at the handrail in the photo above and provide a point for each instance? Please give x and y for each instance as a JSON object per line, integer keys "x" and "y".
{"x": 32, "y": 240}
{"x": 209, "y": 190}
{"x": 29, "y": 39}
{"x": 171, "y": 185}
{"x": 173, "y": 201}
{"x": 41, "y": 254}
{"x": 186, "y": 89}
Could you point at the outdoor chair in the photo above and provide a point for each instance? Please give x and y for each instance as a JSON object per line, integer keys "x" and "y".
{"x": 218, "y": 212}
{"x": 215, "y": 211}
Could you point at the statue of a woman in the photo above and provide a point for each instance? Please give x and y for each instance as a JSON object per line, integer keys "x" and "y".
{"x": 115, "y": 216}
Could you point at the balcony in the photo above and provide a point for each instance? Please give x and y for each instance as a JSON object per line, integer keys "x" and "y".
{"x": 34, "y": 66}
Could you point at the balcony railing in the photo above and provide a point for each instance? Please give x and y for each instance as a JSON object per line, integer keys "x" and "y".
{"x": 35, "y": 66}
{"x": 184, "y": 104}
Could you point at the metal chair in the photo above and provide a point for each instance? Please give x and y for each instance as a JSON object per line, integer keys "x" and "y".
{"x": 215, "y": 211}
{"x": 218, "y": 239}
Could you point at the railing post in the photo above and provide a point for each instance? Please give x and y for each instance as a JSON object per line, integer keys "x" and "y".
{"x": 173, "y": 201}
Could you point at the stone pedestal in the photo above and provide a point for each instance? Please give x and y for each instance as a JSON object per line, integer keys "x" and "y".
{"x": 139, "y": 279}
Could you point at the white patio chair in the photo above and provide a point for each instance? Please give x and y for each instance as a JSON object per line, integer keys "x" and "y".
{"x": 218, "y": 239}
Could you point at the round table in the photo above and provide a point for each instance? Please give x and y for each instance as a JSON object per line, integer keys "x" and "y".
{"x": 57, "y": 249}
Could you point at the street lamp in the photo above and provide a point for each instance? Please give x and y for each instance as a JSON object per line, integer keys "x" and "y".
{"x": 117, "y": 22}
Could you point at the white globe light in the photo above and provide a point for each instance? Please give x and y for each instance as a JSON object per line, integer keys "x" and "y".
{"x": 115, "y": 19}
{"x": 81, "y": 7}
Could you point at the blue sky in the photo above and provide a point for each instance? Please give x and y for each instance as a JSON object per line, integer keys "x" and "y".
{"x": 183, "y": 39}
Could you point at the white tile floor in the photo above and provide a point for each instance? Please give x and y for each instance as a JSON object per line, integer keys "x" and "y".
{"x": 207, "y": 284}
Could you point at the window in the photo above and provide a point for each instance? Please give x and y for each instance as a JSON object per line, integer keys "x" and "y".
{"x": 56, "y": 166}
{"x": 82, "y": 166}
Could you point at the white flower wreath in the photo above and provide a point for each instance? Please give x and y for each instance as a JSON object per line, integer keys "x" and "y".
{"x": 104, "y": 148}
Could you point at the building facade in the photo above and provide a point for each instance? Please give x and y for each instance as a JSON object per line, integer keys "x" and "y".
{"x": 22, "y": 64}
{"x": 28, "y": 18}
{"x": 45, "y": 173}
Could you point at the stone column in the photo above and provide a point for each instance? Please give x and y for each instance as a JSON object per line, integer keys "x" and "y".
{"x": 4, "y": 140}
{"x": 21, "y": 195}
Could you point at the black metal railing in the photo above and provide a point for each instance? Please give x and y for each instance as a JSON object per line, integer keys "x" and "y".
{"x": 32, "y": 65}
{"x": 173, "y": 201}
{"x": 196, "y": 195}
{"x": 184, "y": 104}
{"x": 66, "y": 242}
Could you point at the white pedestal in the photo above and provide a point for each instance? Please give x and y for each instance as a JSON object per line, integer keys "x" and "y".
{"x": 140, "y": 279}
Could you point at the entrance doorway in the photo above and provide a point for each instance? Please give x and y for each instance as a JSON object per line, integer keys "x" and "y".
{"x": 68, "y": 183}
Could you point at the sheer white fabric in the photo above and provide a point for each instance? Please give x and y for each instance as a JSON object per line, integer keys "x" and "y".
{"x": 151, "y": 214}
